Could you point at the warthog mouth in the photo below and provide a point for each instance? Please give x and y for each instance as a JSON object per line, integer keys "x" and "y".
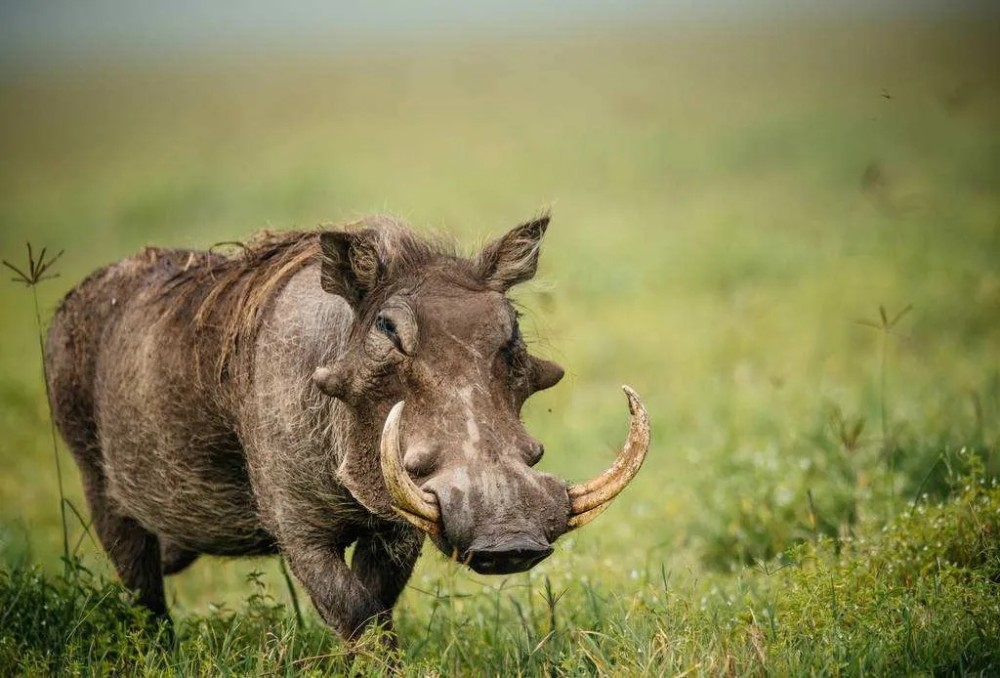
{"x": 586, "y": 500}
{"x": 515, "y": 554}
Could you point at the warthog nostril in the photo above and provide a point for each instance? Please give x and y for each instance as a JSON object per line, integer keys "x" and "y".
{"x": 516, "y": 555}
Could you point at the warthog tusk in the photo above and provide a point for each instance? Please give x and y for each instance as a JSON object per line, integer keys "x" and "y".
{"x": 416, "y": 506}
{"x": 588, "y": 500}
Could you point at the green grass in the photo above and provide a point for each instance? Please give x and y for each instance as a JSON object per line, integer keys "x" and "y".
{"x": 727, "y": 207}
{"x": 919, "y": 596}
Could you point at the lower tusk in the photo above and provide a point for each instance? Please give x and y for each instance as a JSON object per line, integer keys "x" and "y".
{"x": 421, "y": 524}
{"x": 581, "y": 519}
{"x": 588, "y": 500}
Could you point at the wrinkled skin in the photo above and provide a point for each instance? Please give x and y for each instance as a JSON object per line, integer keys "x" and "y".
{"x": 235, "y": 406}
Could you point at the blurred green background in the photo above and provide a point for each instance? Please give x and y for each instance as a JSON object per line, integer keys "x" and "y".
{"x": 731, "y": 194}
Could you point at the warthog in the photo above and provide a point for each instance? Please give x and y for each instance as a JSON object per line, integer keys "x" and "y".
{"x": 254, "y": 404}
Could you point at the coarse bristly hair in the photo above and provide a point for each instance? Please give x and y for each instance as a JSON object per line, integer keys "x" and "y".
{"x": 225, "y": 296}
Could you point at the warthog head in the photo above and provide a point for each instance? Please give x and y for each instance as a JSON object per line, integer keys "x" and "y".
{"x": 434, "y": 373}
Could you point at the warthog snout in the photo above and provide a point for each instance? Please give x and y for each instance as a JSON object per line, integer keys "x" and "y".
{"x": 496, "y": 514}
{"x": 498, "y": 517}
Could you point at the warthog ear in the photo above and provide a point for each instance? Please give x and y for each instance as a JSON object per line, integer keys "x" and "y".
{"x": 513, "y": 258}
{"x": 545, "y": 373}
{"x": 351, "y": 263}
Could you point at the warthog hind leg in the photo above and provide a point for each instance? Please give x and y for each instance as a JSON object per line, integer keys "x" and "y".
{"x": 133, "y": 549}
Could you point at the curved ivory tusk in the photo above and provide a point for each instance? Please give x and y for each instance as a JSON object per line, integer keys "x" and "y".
{"x": 417, "y": 507}
{"x": 588, "y": 500}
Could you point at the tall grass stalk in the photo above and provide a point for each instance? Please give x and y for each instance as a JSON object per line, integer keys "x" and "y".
{"x": 39, "y": 270}
{"x": 299, "y": 621}
{"x": 885, "y": 326}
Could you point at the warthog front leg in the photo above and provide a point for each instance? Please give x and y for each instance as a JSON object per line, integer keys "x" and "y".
{"x": 383, "y": 562}
{"x": 338, "y": 593}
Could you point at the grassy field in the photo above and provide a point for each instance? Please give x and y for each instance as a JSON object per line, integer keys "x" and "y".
{"x": 728, "y": 205}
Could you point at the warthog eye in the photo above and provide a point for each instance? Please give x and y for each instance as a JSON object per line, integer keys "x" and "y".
{"x": 514, "y": 347}
{"x": 387, "y": 327}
